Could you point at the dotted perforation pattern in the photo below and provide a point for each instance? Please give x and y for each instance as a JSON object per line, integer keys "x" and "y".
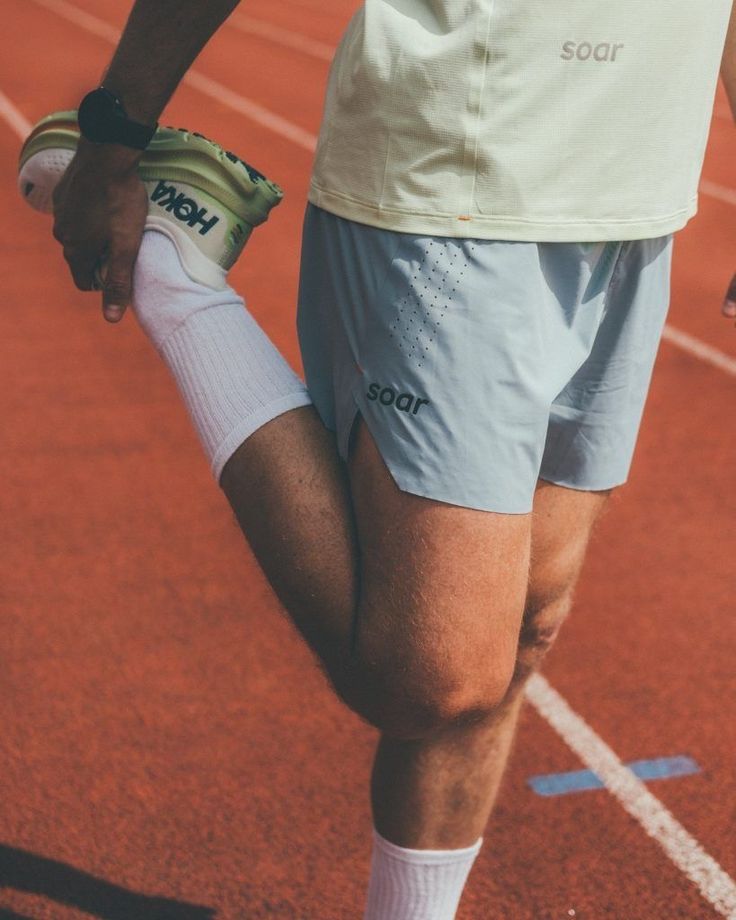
{"x": 436, "y": 276}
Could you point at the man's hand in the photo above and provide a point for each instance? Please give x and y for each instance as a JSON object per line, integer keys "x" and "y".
{"x": 100, "y": 207}
{"x": 729, "y": 303}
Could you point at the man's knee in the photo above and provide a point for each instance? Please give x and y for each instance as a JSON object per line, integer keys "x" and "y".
{"x": 410, "y": 710}
{"x": 561, "y": 527}
{"x": 548, "y": 605}
{"x": 541, "y": 627}
{"x": 416, "y": 691}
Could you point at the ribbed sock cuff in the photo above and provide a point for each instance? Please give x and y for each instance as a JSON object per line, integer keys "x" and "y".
{"x": 232, "y": 378}
{"x": 409, "y": 884}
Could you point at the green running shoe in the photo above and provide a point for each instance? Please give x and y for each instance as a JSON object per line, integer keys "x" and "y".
{"x": 205, "y": 199}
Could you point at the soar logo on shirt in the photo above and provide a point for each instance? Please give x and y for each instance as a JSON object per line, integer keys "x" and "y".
{"x": 586, "y": 51}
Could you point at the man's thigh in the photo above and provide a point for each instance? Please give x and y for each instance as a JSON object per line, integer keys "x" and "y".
{"x": 562, "y": 522}
{"x": 442, "y": 586}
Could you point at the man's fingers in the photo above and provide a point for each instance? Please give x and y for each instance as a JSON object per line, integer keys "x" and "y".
{"x": 118, "y": 283}
{"x": 101, "y": 221}
{"x": 82, "y": 266}
{"x": 729, "y": 302}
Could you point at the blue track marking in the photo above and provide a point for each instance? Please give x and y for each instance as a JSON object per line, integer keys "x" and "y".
{"x": 583, "y": 780}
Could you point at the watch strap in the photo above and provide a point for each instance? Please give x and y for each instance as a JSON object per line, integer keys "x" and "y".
{"x": 103, "y": 119}
{"x": 130, "y": 133}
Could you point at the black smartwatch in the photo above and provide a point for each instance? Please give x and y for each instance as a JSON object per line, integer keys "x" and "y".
{"x": 102, "y": 120}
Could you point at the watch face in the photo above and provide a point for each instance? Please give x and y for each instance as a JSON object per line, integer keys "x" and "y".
{"x": 96, "y": 116}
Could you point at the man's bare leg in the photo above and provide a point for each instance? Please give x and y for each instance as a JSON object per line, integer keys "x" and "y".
{"x": 437, "y": 620}
{"x": 290, "y": 493}
{"x": 438, "y": 792}
{"x": 402, "y": 610}
{"x": 416, "y": 619}
{"x": 420, "y": 588}
{"x": 414, "y": 606}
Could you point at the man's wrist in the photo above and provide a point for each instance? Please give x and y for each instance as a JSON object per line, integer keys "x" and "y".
{"x": 103, "y": 119}
{"x": 137, "y": 107}
{"x": 109, "y": 158}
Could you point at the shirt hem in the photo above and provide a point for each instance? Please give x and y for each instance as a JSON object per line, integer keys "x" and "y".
{"x": 483, "y": 226}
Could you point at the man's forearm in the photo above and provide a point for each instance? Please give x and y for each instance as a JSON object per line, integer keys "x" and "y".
{"x": 100, "y": 204}
{"x": 160, "y": 42}
{"x": 728, "y": 63}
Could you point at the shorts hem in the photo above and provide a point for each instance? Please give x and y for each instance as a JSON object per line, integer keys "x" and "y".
{"x": 405, "y": 483}
{"x": 568, "y": 483}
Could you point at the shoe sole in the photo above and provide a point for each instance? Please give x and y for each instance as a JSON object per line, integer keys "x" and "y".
{"x": 177, "y": 155}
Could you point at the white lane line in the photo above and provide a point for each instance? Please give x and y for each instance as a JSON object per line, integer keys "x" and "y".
{"x": 687, "y": 854}
{"x": 699, "y": 349}
{"x": 721, "y": 110}
{"x": 285, "y": 37}
{"x": 81, "y": 18}
{"x": 212, "y": 88}
{"x": 714, "y": 190}
{"x": 713, "y": 883}
{"x": 250, "y": 109}
{"x": 10, "y": 114}
{"x": 308, "y": 141}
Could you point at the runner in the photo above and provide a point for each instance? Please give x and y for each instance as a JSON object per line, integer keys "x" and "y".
{"x": 485, "y": 277}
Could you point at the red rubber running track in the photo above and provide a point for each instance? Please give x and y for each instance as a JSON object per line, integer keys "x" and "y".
{"x": 168, "y": 749}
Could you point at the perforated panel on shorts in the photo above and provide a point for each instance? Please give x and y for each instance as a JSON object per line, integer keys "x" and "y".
{"x": 422, "y": 307}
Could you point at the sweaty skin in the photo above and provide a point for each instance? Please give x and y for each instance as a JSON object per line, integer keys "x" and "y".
{"x": 100, "y": 205}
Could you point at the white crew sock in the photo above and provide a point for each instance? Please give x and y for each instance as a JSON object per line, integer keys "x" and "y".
{"x": 232, "y": 378}
{"x": 416, "y": 884}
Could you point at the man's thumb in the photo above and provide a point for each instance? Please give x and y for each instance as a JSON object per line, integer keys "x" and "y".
{"x": 117, "y": 277}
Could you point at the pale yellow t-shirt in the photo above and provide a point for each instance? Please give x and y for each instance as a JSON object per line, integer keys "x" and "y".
{"x": 575, "y": 120}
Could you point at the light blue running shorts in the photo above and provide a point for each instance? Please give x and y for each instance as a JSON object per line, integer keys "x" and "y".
{"x": 480, "y": 366}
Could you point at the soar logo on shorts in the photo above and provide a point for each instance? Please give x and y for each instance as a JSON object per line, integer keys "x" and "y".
{"x": 403, "y": 402}
{"x": 184, "y": 209}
